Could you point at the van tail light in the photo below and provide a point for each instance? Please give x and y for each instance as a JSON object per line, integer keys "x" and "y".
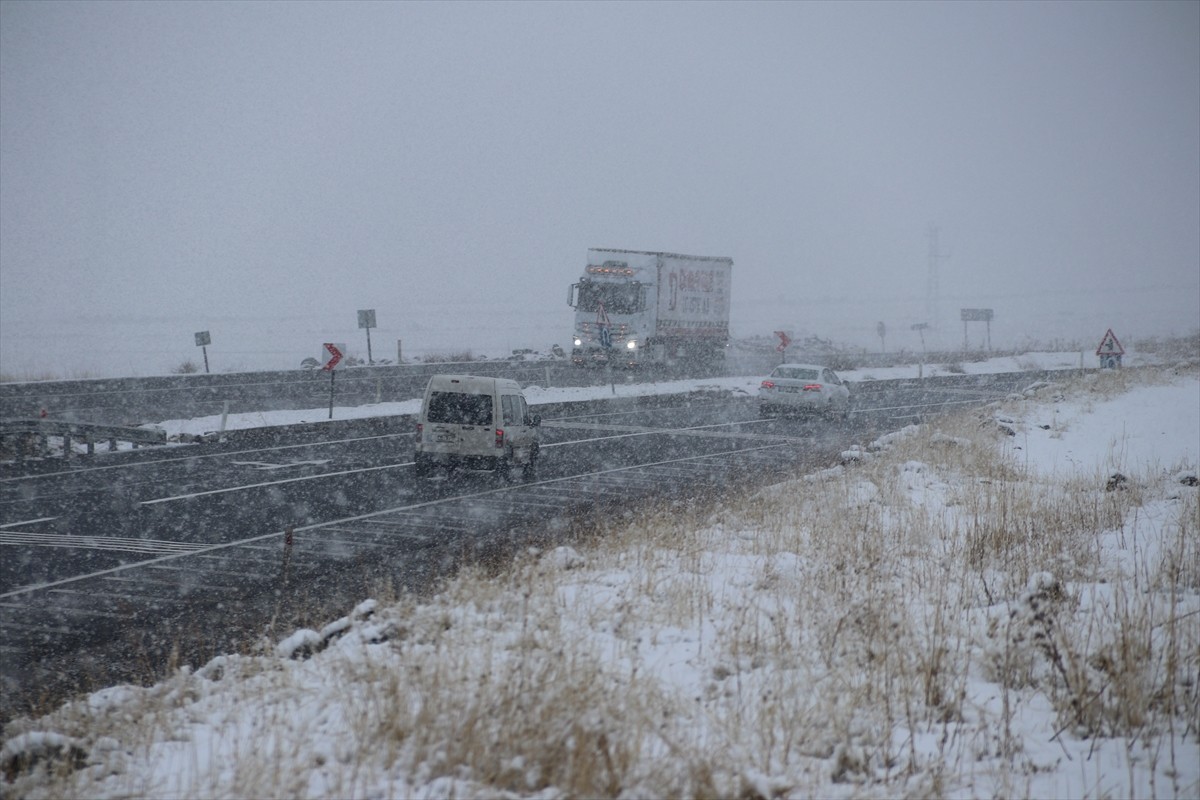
{"x": 812, "y": 387}
{"x": 499, "y": 437}
{"x": 419, "y": 429}
{"x": 768, "y": 385}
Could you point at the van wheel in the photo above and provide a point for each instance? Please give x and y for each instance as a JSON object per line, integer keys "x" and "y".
{"x": 424, "y": 467}
{"x": 529, "y": 472}
{"x": 503, "y": 468}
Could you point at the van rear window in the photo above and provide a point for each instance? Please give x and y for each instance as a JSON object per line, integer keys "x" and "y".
{"x": 456, "y": 408}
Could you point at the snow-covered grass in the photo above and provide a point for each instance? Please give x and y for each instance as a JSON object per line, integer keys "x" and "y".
{"x": 974, "y": 608}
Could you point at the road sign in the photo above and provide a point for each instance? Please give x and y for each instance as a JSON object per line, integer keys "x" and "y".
{"x": 335, "y": 355}
{"x": 1109, "y": 346}
{"x": 203, "y": 339}
{"x": 605, "y": 337}
{"x": 784, "y": 341}
{"x": 366, "y": 319}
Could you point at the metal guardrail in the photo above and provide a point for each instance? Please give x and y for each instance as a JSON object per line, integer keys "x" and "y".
{"x": 26, "y": 437}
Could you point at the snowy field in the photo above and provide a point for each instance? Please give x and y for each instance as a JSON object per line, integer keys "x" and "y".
{"x": 185, "y": 428}
{"x": 975, "y": 608}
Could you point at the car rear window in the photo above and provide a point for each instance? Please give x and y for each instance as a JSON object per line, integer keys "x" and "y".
{"x": 456, "y": 408}
{"x": 796, "y": 374}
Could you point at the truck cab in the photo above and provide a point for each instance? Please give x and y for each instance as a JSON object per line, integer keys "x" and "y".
{"x": 611, "y": 315}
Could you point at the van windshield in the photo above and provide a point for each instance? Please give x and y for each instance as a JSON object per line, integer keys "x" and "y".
{"x": 457, "y": 408}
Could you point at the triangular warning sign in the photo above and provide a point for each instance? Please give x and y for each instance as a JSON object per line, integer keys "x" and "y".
{"x": 1109, "y": 346}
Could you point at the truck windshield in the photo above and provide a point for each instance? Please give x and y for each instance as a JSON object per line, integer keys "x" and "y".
{"x": 618, "y": 298}
{"x": 457, "y": 408}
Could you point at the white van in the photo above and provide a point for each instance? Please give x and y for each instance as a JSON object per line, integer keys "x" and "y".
{"x": 475, "y": 423}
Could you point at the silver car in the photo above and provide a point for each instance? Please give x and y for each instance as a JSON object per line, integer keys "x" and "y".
{"x": 803, "y": 388}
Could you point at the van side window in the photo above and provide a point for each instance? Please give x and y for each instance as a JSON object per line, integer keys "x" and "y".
{"x": 456, "y": 408}
{"x": 524, "y": 409}
{"x": 509, "y": 409}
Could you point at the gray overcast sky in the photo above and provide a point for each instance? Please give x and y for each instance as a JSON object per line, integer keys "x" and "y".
{"x": 263, "y": 170}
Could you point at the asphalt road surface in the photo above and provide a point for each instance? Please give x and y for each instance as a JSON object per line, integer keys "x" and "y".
{"x": 119, "y": 566}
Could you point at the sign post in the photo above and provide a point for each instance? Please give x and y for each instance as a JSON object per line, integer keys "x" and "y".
{"x": 976, "y": 315}
{"x": 335, "y": 355}
{"x": 366, "y": 319}
{"x": 203, "y": 340}
{"x": 1110, "y": 351}
{"x": 920, "y": 328}
{"x": 781, "y": 348}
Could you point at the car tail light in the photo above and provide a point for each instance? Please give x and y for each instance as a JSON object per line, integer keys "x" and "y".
{"x": 499, "y": 437}
{"x": 812, "y": 387}
{"x": 768, "y": 385}
{"x": 420, "y": 427}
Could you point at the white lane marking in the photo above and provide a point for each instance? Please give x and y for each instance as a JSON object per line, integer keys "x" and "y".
{"x": 698, "y": 430}
{"x": 267, "y": 466}
{"x": 26, "y": 522}
{"x": 29, "y": 538}
{"x": 936, "y": 404}
{"x": 228, "y": 489}
{"x": 180, "y": 458}
{"x": 317, "y": 526}
{"x": 635, "y": 432}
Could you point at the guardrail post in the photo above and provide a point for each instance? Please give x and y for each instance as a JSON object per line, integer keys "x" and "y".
{"x": 286, "y": 568}
{"x": 66, "y": 446}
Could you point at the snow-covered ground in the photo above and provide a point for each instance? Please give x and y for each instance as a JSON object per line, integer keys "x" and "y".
{"x": 537, "y": 395}
{"x": 974, "y": 608}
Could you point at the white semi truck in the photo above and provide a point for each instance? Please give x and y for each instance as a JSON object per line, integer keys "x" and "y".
{"x": 635, "y": 308}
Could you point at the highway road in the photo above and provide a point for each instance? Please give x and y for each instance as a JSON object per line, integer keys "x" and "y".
{"x": 120, "y": 565}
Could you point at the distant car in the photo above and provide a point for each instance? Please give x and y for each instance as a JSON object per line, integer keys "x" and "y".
{"x": 803, "y": 388}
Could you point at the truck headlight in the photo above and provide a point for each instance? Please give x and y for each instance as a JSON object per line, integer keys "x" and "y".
{"x": 631, "y": 344}
{"x": 578, "y": 342}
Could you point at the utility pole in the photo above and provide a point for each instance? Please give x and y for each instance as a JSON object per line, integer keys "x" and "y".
{"x": 932, "y": 286}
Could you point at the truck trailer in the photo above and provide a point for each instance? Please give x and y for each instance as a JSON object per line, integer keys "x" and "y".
{"x": 635, "y": 308}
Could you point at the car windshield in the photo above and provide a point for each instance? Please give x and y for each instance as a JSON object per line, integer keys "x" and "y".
{"x": 795, "y": 373}
{"x": 457, "y": 408}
